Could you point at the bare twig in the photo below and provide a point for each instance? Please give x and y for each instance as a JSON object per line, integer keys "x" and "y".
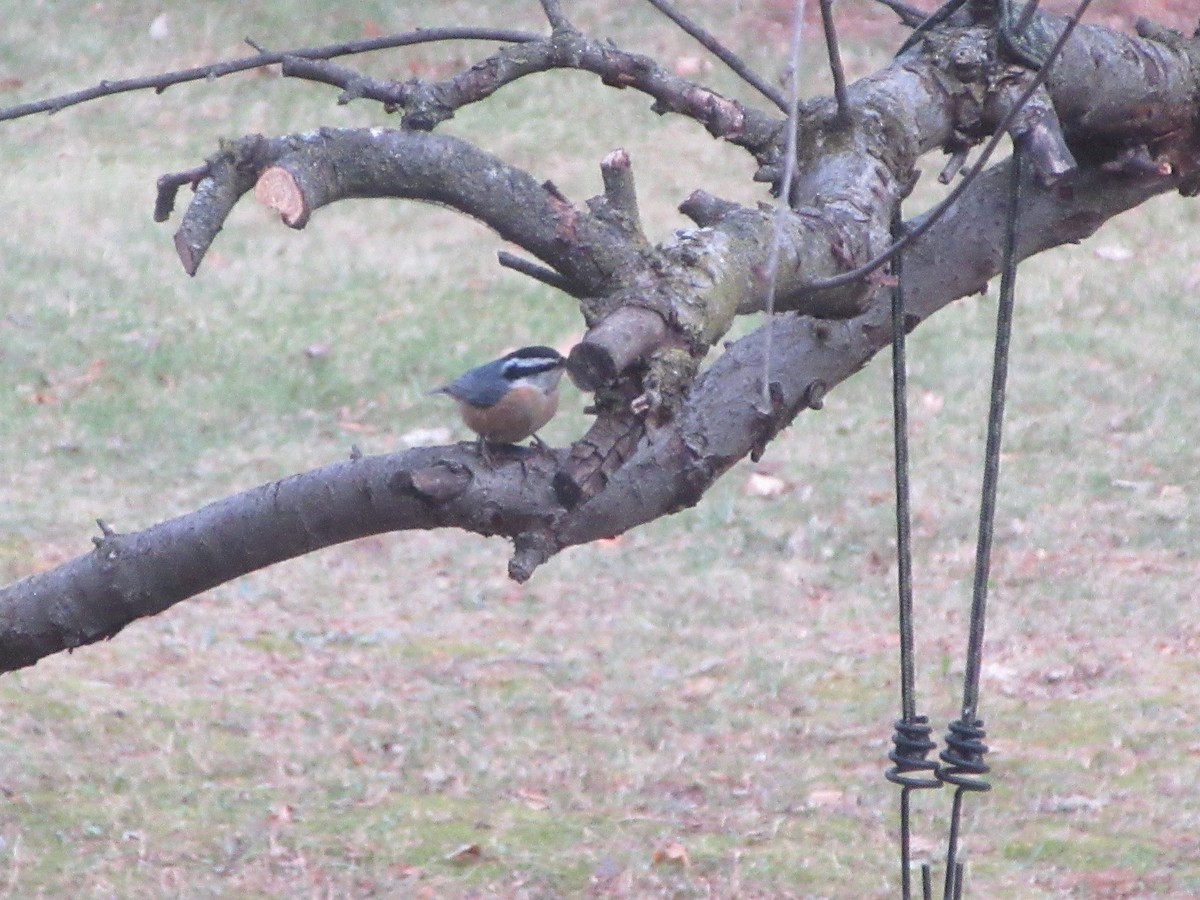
{"x": 721, "y": 52}
{"x": 355, "y": 85}
{"x": 537, "y": 272}
{"x": 909, "y": 15}
{"x": 169, "y": 185}
{"x": 161, "y": 82}
{"x": 430, "y": 103}
{"x": 1026, "y": 16}
{"x": 835, "y": 61}
{"x": 619, "y": 204}
{"x": 555, "y": 16}
{"x": 298, "y": 174}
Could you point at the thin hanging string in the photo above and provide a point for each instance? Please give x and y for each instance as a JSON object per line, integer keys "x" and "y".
{"x": 783, "y": 207}
{"x": 911, "y": 770}
{"x": 963, "y": 758}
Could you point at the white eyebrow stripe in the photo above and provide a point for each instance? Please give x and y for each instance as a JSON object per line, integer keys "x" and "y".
{"x": 515, "y": 368}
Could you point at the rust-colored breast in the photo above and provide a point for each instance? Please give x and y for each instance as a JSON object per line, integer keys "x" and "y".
{"x": 521, "y": 412}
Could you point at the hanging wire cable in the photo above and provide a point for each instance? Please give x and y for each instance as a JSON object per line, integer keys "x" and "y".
{"x": 963, "y": 764}
{"x": 911, "y": 738}
{"x": 784, "y": 206}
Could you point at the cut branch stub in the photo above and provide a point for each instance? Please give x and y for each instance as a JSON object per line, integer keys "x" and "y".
{"x": 1036, "y": 128}
{"x": 227, "y": 176}
{"x": 278, "y": 189}
{"x": 298, "y": 174}
{"x": 619, "y": 204}
{"x": 626, "y": 336}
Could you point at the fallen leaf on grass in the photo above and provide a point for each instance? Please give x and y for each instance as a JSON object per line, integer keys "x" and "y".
{"x": 673, "y": 854}
{"x": 534, "y": 799}
{"x": 318, "y": 351}
{"x": 285, "y": 812}
{"x": 699, "y": 688}
{"x": 1113, "y": 253}
{"x": 691, "y": 66}
{"x": 70, "y": 388}
{"x": 465, "y": 855}
{"x": 825, "y": 798}
{"x": 760, "y": 484}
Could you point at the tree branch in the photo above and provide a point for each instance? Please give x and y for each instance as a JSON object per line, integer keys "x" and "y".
{"x": 663, "y": 436}
{"x": 159, "y": 83}
{"x": 710, "y": 42}
{"x": 298, "y": 174}
{"x": 129, "y": 576}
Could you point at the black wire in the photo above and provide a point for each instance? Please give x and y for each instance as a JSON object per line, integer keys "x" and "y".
{"x": 911, "y": 738}
{"x": 908, "y": 702}
{"x": 963, "y": 758}
{"x": 991, "y": 461}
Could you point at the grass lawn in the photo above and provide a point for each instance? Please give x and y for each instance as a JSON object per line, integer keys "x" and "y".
{"x": 700, "y": 708}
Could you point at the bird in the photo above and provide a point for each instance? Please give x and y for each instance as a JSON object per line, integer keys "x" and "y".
{"x": 510, "y": 398}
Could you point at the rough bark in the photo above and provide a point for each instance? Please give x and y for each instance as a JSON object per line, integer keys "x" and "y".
{"x": 1113, "y": 127}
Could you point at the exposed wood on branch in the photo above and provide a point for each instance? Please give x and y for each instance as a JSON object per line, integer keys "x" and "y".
{"x": 1107, "y": 137}
{"x": 130, "y": 576}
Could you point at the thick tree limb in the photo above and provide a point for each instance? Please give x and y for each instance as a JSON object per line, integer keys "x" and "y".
{"x": 721, "y": 423}
{"x": 663, "y": 435}
{"x": 130, "y": 576}
{"x": 301, "y": 173}
{"x": 653, "y": 312}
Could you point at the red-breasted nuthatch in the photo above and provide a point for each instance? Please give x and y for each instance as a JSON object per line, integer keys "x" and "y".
{"x": 510, "y": 398}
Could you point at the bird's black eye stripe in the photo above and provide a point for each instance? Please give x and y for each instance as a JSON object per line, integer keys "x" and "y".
{"x": 521, "y": 368}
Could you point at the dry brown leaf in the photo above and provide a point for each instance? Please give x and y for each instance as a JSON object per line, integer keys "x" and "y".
{"x": 672, "y": 854}
{"x": 534, "y": 799}
{"x": 356, "y": 427}
{"x": 465, "y": 855}
{"x": 285, "y": 812}
{"x": 699, "y": 688}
